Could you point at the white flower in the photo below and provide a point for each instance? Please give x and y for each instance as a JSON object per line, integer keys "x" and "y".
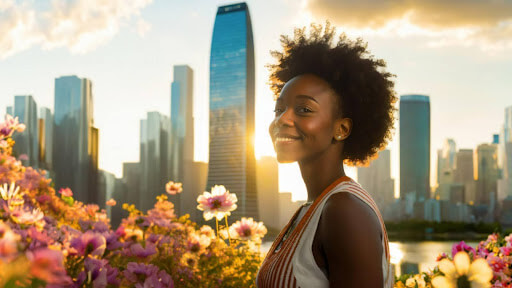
{"x": 477, "y": 274}
{"x": 11, "y": 194}
{"x": 217, "y": 204}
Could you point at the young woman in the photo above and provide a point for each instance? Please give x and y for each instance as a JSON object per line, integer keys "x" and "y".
{"x": 335, "y": 105}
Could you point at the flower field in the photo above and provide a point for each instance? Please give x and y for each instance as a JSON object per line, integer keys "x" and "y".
{"x": 47, "y": 239}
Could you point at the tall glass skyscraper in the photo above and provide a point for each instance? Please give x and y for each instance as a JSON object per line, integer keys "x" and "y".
{"x": 75, "y": 153}
{"x": 27, "y": 142}
{"x": 415, "y": 146}
{"x": 232, "y": 162}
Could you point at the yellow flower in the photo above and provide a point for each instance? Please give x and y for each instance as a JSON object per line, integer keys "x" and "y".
{"x": 461, "y": 271}
{"x": 417, "y": 279}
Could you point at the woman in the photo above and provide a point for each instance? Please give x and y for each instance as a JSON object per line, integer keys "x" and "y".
{"x": 335, "y": 106}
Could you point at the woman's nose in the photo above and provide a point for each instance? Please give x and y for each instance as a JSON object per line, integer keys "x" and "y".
{"x": 285, "y": 118}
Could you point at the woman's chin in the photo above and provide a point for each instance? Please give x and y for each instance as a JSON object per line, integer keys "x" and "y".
{"x": 283, "y": 159}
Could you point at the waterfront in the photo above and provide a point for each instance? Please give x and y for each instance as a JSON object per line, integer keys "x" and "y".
{"x": 409, "y": 257}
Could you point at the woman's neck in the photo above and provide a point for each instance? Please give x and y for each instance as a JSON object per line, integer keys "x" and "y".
{"x": 319, "y": 173}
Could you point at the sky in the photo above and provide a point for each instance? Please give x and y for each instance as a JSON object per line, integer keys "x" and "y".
{"x": 457, "y": 52}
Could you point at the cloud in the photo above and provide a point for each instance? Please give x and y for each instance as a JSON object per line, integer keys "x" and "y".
{"x": 487, "y": 24}
{"x": 79, "y": 25}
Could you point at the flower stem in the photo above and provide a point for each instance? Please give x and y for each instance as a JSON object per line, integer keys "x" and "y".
{"x": 217, "y": 225}
{"x": 227, "y": 229}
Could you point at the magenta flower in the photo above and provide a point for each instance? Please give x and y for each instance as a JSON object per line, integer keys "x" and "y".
{"x": 89, "y": 243}
{"x": 173, "y": 188}
{"x": 218, "y": 203}
{"x": 95, "y": 272}
{"x": 136, "y": 271}
{"x": 462, "y": 246}
{"x": 198, "y": 242}
{"x": 248, "y": 229}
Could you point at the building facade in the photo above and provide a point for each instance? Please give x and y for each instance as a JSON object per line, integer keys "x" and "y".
{"x": 415, "y": 146}
{"x": 27, "y": 142}
{"x": 232, "y": 108}
{"x": 45, "y": 138}
{"x": 154, "y": 158}
{"x": 75, "y": 155}
{"x": 376, "y": 179}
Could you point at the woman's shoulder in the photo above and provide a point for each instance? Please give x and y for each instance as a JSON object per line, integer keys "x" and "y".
{"x": 350, "y": 210}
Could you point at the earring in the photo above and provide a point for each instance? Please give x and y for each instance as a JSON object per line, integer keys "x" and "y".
{"x": 338, "y": 137}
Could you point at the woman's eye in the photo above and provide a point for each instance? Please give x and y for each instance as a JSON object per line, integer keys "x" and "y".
{"x": 278, "y": 110}
{"x": 304, "y": 110}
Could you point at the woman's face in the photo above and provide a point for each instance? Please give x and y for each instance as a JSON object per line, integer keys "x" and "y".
{"x": 305, "y": 123}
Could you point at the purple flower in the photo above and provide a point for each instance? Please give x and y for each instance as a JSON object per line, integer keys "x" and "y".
{"x": 112, "y": 276}
{"x": 139, "y": 271}
{"x": 89, "y": 243}
{"x": 141, "y": 252}
{"x": 147, "y": 275}
{"x": 462, "y": 246}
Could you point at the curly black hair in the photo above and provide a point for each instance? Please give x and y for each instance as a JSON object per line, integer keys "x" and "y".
{"x": 364, "y": 87}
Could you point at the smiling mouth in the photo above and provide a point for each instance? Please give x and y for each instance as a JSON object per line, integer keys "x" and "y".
{"x": 285, "y": 139}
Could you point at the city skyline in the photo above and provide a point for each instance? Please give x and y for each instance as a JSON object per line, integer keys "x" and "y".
{"x": 463, "y": 79}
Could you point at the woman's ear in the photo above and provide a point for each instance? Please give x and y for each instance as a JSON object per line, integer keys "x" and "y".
{"x": 343, "y": 127}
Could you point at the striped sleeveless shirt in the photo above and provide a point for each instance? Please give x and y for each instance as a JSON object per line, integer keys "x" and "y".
{"x": 293, "y": 265}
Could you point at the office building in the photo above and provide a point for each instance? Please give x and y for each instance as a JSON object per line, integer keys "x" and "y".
{"x": 232, "y": 108}
{"x": 27, "y": 142}
{"x": 75, "y": 154}
{"x": 154, "y": 158}
{"x": 415, "y": 146}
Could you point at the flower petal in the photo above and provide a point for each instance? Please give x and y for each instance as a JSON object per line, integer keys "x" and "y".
{"x": 462, "y": 262}
{"x": 480, "y": 272}
{"x": 443, "y": 282}
{"x": 446, "y": 266}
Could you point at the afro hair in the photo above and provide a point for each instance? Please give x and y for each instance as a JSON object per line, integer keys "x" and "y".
{"x": 365, "y": 89}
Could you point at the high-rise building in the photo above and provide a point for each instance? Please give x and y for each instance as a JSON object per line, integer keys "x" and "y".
{"x": 446, "y": 159}
{"x": 464, "y": 174}
{"x": 486, "y": 172}
{"x": 75, "y": 155}
{"x": 183, "y": 168}
{"x": 45, "y": 138}
{"x": 9, "y": 110}
{"x": 27, "y": 142}
{"x": 131, "y": 178}
{"x": 415, "y": 146}
{"x": 154, "y": 158}
{"x": 268, "y": 191}
{"x": 232, "y": 108}
{"x": 376, "y": 179}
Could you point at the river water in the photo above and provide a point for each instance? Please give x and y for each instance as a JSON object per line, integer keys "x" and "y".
{"x": 411, "y": 257}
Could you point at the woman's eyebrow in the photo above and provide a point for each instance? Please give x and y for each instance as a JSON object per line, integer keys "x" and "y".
{"x": 307, "y": 97}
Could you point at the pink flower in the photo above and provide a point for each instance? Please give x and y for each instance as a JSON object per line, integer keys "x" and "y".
{"x": 10, "y": 125}
{"x": 173, "y": 188}
{"x": 23, "y": 157}
{"x": 217, "y": 204}
{"x": 48, "y": 265}
{"x": 197, "y": 242}
{"x": 66, "y": 192}
{"x": 28, "y": 216}
{"x": 8, "y": 242}
{"x": 111, "y": 202}
{"x": 248, "y": 229}
{"x": 89, "y": 243}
